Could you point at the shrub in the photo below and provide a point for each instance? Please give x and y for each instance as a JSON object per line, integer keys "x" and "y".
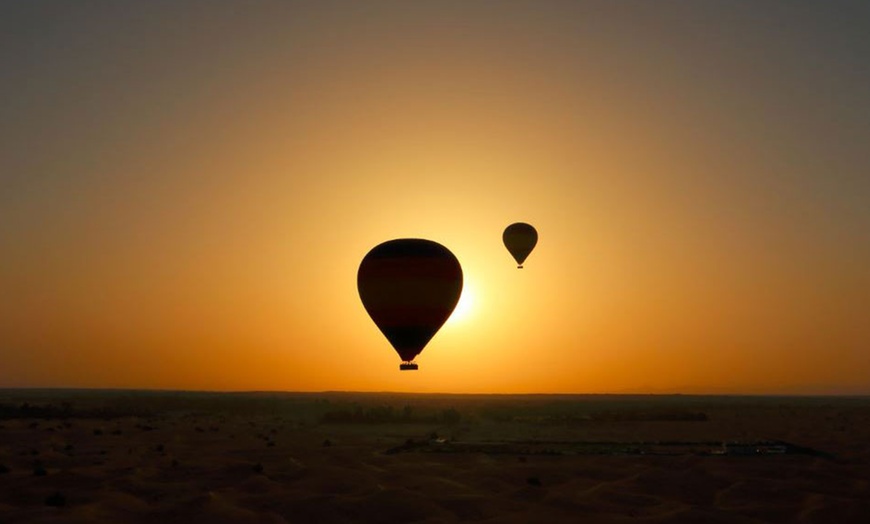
{"x": 56, "y": 500}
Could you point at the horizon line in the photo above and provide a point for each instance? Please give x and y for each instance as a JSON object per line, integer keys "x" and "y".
{"x": 421, "y": 393}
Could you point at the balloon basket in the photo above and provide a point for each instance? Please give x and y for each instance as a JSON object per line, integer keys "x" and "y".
{"x": 407, "y": 366}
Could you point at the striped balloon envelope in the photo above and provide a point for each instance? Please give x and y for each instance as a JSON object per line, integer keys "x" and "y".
{"x": 409, "y": 287}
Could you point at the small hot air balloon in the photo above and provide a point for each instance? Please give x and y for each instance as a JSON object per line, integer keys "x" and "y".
{"x": 409, "y": 287}
{"x": 520, "y": 239}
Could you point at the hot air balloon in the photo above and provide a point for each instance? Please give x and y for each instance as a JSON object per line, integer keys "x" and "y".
{"x": 409, "y": 287}
{"x": 520, "y": 239}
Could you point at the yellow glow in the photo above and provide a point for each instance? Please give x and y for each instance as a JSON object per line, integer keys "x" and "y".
{"x": 464, "y": 310}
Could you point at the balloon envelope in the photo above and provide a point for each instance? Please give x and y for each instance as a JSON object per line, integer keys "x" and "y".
{"x": 520, "y": 239}
{"x": 409, "y": 287}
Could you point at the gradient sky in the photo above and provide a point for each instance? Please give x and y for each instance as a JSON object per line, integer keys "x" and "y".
{"x": 188, "y": 188}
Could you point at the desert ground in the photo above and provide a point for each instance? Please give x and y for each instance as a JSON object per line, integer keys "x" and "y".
{"x": 138, "y": 456}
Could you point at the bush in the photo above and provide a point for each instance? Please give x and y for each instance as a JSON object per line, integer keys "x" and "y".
{"x": 56, "y": 500}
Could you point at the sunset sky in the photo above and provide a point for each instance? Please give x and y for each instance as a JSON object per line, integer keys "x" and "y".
{"x": 188, "y": 188}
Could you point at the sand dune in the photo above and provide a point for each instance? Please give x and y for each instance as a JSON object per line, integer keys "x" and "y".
{"x": 218, "y": 459}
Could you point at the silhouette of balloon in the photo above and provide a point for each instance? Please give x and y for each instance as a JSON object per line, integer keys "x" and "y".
{"x": 520, "y": 239}
{"x": 409, "y": 287}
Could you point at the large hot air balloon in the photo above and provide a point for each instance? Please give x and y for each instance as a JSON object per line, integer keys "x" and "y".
{"x": 409, "y": 287}
{"x": 520, "y": 239}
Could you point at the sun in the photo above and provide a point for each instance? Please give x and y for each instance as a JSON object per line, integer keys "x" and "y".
{"x": 465, "y": 307}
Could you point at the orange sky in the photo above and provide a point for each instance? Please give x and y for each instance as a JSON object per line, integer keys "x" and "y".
{"x": 188, "y": 190}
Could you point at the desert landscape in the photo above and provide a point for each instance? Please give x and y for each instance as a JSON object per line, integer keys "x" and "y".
{"x": 141, "y": 456}
{"x": 379, "y": 262}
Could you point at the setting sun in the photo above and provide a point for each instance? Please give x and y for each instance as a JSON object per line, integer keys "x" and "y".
{"x": 465, "y": 307}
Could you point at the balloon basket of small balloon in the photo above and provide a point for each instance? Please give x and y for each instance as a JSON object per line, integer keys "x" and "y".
{"x": 407, "y": 366}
